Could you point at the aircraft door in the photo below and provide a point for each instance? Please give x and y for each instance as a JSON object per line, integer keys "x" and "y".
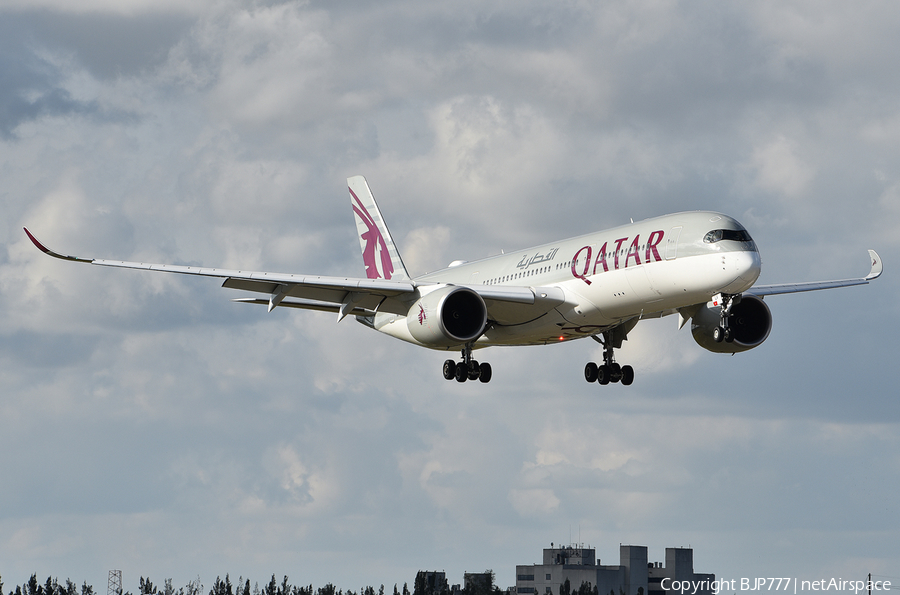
{"x": 672, "y": 243}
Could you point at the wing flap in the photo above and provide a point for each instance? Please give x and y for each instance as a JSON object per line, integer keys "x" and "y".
{"x": 312, "y": 291}
{"x": 307, "y": 305}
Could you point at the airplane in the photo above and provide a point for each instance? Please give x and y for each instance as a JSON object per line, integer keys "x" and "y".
{"x": 698, "y": 265}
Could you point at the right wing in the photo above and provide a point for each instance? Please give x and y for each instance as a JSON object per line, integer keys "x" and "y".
{"x": 331, "y": 294}
{"x": 874, "y": 273}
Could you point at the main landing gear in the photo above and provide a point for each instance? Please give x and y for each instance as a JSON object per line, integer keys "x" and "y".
{"x": 609, "y": 370}
{"x": 467, "y": 369}
{"x": 724, "y": 332}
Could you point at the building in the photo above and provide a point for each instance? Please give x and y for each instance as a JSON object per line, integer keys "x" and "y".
{"x": 679, "y": 567}
{"x": 633, "y": 575}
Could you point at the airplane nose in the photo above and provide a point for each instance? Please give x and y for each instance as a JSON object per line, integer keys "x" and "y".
{"x": 748, "y": 265}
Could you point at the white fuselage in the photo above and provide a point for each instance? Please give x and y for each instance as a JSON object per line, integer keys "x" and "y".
{"x": 642, "y": 269}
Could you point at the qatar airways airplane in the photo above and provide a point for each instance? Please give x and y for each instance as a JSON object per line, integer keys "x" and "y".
{"x": 700, "y": 266}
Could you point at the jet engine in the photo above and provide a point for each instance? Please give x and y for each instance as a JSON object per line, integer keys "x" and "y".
{"x": 447, "y": 317}
{"x": 750, "y": 323}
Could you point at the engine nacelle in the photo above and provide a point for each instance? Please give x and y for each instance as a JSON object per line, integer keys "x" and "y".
{"x": 447, "y": 317}
{"x": 750, "y": 323}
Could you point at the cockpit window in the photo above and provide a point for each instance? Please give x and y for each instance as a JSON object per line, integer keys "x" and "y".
{"x": 735, "y": 235}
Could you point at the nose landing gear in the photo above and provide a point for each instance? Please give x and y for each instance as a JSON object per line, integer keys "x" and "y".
{"x": 467, "y": 369}
{"x": 609, "y": 370}
{"x": 723, "y": 332}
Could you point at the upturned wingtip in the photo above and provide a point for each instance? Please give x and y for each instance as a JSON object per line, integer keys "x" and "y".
{"x": 50, "y": 252}
{"x": 877, "y": 266}
{"x": 36, "y": 242}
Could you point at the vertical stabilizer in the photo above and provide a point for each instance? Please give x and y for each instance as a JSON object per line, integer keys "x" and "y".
{"x": 379, "y": 252}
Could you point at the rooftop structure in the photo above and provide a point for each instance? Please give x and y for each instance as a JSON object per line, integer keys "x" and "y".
{"x": 633, "y": 575}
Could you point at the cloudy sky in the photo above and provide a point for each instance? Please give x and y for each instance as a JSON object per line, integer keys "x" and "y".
{"x": 149, "y": 424}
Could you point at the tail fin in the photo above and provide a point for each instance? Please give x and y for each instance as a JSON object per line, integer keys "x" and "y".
{"x": 379, "y": 252}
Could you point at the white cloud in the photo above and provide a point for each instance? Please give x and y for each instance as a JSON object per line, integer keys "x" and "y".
{"x": 119, "y": 7}
{"x": 425, "y": 249}
{"x": 780, "y": 170}
{"x": 531, "y": 502}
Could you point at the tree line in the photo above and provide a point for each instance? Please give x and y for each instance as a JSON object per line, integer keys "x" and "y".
{"x": 220, "y": 587}
{"x": 242, "y": 587}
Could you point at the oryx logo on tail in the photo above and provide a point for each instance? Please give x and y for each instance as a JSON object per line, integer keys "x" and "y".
{"x": 375, "y": 245}
{"x": 380, "y": 256}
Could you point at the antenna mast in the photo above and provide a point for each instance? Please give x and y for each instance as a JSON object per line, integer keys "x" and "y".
{"x": 114, "y": 586}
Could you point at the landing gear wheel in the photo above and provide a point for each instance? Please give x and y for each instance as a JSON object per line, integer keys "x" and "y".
{"x": 449, "y": 369}
{"x": 462, "y": 372}
{"x": 486, "y": 372}
{"x": 718, "y": 334}
{"x": 729, "y": 335}
{"x": 604, "y": 374}
{"x": 467, "y": 369}
{"x": 609, "y": 370}
{"x": 615, "y": 372}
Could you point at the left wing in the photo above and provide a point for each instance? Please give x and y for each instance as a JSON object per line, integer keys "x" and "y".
{"x": 874, "y": 273}
{"x": 345, "y": 295}
{"x": 333, "y": 294}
